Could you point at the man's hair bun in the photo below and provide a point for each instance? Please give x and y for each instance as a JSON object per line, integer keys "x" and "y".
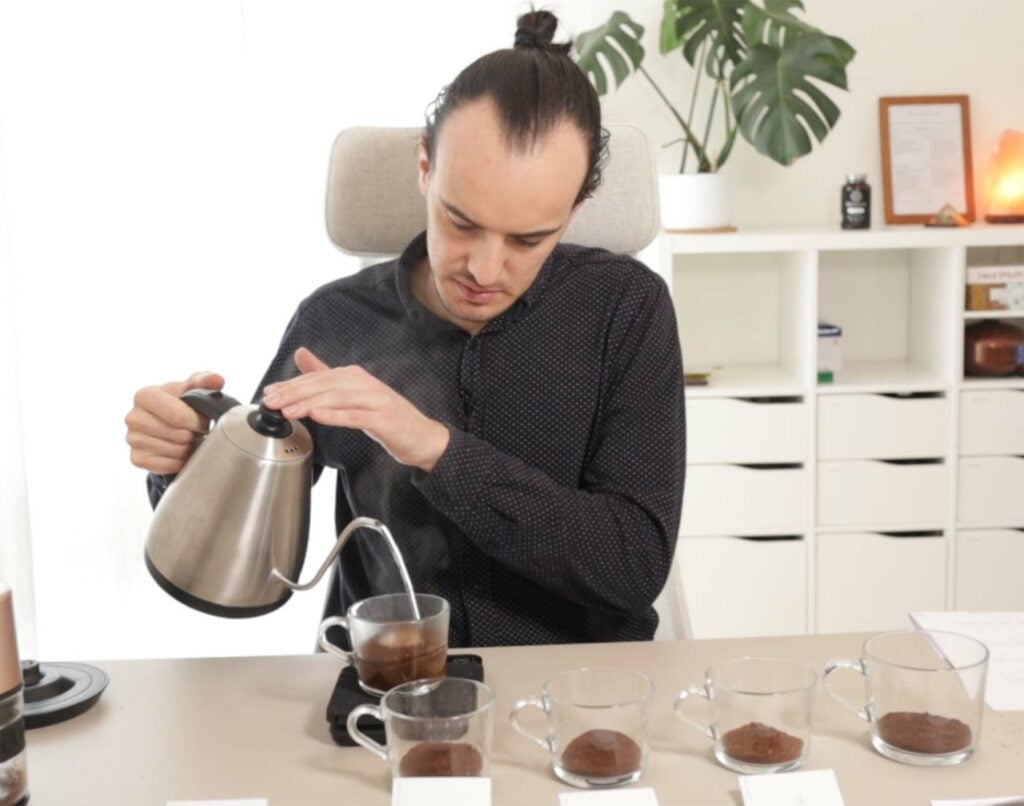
{"x": 536, "y": 30}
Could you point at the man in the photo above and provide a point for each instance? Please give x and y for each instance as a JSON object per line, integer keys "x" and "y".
{"x": 512, "y": 408}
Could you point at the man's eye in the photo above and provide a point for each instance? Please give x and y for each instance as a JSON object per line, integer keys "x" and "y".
{"x": 463, "y": 227}
{"x": 527, "y": 242}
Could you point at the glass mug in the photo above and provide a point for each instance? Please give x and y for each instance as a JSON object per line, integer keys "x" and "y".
{"x": 389, "y": 645}
{"x": 760, "y": 713}
{"x": 439, "y": 727}
{"x": 598, "y": 724}
{"x": 926, "y": 693}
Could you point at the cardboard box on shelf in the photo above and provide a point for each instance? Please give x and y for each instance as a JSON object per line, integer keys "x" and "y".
{"x": 995, "y": 288}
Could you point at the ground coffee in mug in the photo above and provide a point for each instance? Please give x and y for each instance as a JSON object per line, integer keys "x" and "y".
{"x": 755, "y": 743}
{"x": 602, "y": 754}
{"x": 924, "y": 733}
{"x": 433, "y": 759}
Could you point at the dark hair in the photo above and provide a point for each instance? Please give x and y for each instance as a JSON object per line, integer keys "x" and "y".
{"x": 535, "y": 84}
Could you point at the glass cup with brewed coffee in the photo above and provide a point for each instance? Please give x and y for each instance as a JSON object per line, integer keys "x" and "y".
{"x": 436, "y": 728}
{"x": 925, "y": 694}
{"x": 760, "y": 711}
{"x": 390, "y": 645}
{"x": 598, "y": 725}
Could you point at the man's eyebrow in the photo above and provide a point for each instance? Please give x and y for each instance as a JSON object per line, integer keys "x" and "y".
{"x": 541, "y": 233}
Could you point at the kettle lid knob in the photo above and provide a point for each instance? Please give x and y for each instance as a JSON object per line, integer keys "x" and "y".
{"x": 270, "y": 422}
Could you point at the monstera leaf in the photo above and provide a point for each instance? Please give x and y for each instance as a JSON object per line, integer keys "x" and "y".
{"x": 776, "y": 101}
{"x": 775, "y": 24}
{"x": 617, "y": 42}
{"x": 715, "y": 23}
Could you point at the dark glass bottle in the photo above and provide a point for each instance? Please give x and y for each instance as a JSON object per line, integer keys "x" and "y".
{"x": 856, "y": 202}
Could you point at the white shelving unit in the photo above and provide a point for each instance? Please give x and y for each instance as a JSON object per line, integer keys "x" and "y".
{"x": 841, "y": 506}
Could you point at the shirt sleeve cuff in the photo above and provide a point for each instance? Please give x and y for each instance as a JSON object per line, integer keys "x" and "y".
{"x": 460, "y": 475}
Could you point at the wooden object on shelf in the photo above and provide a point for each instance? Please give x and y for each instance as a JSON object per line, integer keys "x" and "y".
{"x": 916, "y": 182}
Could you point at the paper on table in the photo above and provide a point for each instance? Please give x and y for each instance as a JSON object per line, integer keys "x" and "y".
{"x": 1003, "y": 634}
{"x": 819, "y": 787}
{"x": 451, "y": 791}
{"x": 609, "y": 797}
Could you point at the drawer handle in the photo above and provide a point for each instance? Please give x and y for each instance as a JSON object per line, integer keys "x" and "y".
{"x": 770, "y": 401}
{"x": 779, "y": 466}
{"x": 935, "y": 461}
{"x": 913, "y": 395}
{"x": 927, "y": 533}
{"x": 767, "y": 538}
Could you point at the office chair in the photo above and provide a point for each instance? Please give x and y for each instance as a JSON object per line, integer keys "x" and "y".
{"x": 374, "y": 208}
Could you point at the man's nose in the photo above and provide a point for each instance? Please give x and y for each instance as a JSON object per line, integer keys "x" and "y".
{"x": 486, "y": 261}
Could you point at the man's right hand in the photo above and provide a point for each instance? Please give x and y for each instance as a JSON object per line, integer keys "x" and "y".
{"x": 163, "y": 430}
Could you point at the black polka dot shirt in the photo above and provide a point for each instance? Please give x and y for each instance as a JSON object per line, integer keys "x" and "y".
{"x": 553, "y": 514}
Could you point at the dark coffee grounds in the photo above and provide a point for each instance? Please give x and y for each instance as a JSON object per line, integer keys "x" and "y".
{"x": 755, "y": 743}
{"x": 398, "y": 657}
{"x": 441, "y": 758}
{"x": 601, "y": 754}
{"x": 923, "y": 733}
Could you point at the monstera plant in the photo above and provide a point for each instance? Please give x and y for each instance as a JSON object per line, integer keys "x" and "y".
{"x": 759, "y": 67}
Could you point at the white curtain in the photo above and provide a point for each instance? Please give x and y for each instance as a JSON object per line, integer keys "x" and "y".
{"x": 163, "y": 183}
{"x": 15, "y": 535}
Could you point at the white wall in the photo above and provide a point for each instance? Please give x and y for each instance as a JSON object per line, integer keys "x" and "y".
{"x": 163, "y": 169}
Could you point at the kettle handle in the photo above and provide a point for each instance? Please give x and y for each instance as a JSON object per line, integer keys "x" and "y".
{"x": 209, "y": 403}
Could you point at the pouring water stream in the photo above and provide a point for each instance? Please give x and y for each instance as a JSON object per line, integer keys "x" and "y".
{"x": 346, "y": 533}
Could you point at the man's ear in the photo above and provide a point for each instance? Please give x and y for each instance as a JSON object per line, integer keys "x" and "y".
{"x": 423, "y": 166}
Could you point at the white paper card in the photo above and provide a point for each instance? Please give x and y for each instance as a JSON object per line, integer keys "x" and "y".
{"x": 610, "y": 797}
{"x": 441, "y": 792}
{"x": 1007, "y": 801}
{"x": 243, "y": 802}
{"x": 819, "y": 787}
{"x": 1003, "y": 634}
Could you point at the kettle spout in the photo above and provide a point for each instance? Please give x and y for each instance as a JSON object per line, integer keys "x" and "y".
{"x": 346, "y": 533}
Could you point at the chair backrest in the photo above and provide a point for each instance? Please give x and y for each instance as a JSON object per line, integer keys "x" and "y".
{"x": 374, "y": 206}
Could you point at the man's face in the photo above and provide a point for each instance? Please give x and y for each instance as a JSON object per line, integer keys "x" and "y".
{"x": 493, "y": 214}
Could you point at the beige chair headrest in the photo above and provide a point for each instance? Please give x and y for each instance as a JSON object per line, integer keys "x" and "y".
{"x": 374, "y": 206}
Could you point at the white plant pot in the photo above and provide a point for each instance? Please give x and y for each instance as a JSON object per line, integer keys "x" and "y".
{"x": 696, "y": 201}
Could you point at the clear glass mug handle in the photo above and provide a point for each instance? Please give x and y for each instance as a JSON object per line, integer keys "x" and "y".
{"x": 529, "y": 702}
{"x": 693, "y": 691}
{"x": 321, "y": 637}
{"x": 853, "y": 665}
{"x": 361, "y": 738}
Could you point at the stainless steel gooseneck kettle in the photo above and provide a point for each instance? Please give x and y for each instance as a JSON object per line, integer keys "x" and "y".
{"x": 229, "y": 535}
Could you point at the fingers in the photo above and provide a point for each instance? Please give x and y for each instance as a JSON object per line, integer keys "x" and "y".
{"x": 204, "y": 380}
{"x": 143, "y": 422}
{"x": 164, "y": 404}
{"x": 307, "y": 362}
{"x": 156, "y": 464}
{"x": 163, "y": 430}
{"x": 350, "y": 386}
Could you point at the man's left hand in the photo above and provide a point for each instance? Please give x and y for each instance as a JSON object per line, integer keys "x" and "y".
{"x": 351, "y": 397}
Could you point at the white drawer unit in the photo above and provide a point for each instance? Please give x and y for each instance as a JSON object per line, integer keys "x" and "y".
{"x": 988, "y": 569}
{"x": 992, "y": 422}
{"x": 882, "y": 427}
{"x": 734, "y": 430}
{"x": 870, "y": 581}
{"x": 903, "y": 475}
{"x": 991, "y": 490}
{"x": 862, "y": 493}
{"x": 737, "y": 499}
{"x": 744, "y": 586}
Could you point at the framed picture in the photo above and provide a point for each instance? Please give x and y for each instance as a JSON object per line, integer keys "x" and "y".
{"x": 926, "y": 157}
